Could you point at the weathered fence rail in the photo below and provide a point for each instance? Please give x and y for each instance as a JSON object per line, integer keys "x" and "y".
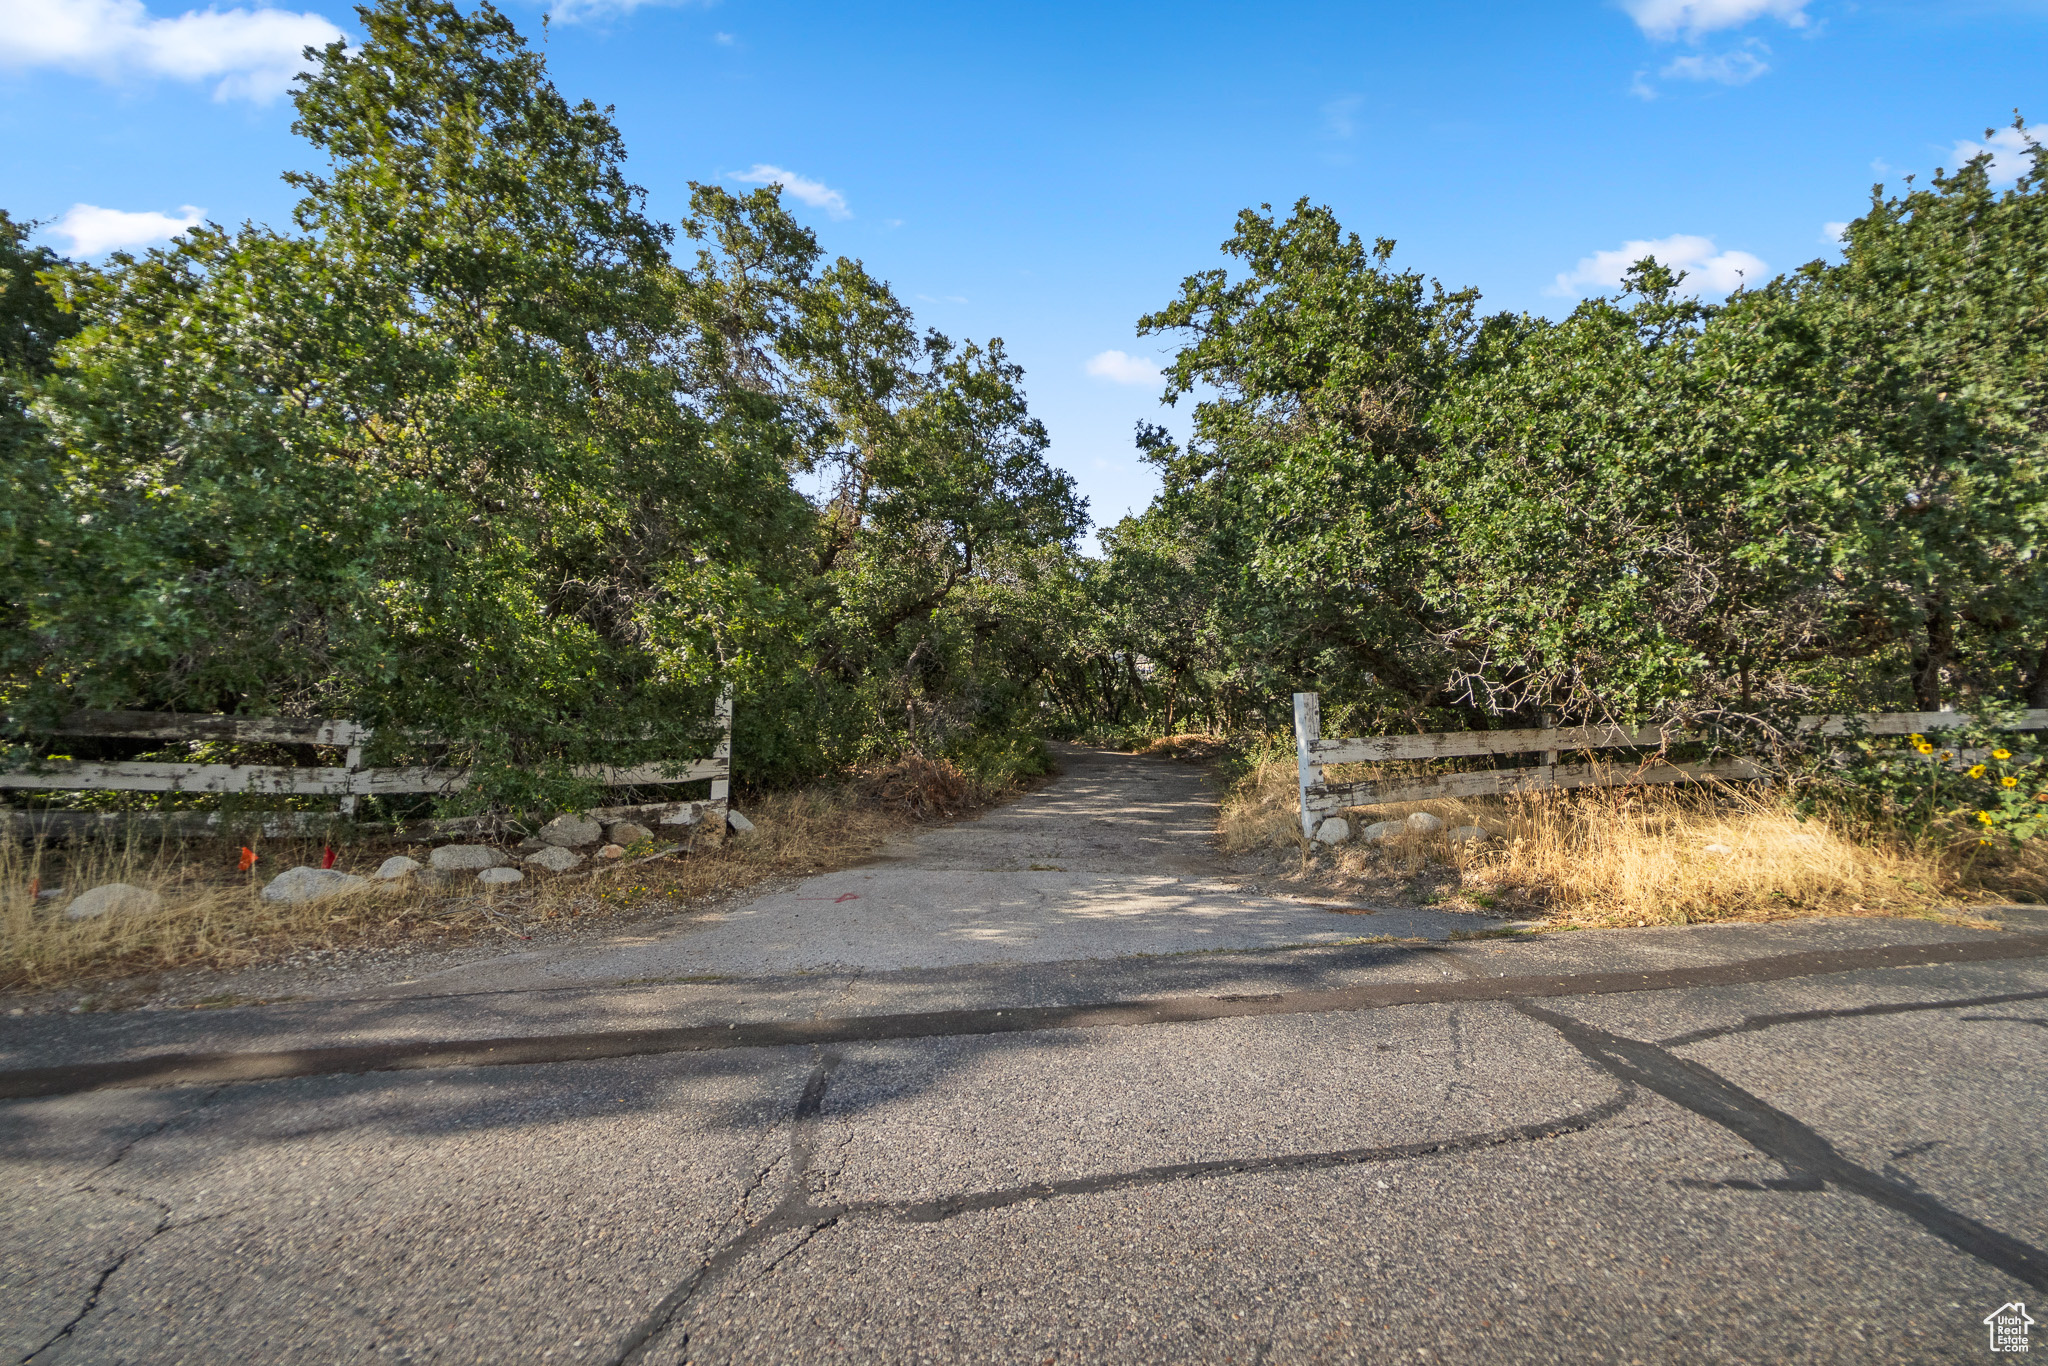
{"x": 1320, "y": 798}
{"x": 348, "y": 781}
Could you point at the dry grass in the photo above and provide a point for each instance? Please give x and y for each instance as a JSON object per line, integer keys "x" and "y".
{"x": 211, "y": 915}
{"x": 1644, "y": 856}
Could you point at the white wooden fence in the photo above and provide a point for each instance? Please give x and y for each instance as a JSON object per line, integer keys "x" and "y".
{"x": 348, "y": 782}
{"x": 1320, "y": 799}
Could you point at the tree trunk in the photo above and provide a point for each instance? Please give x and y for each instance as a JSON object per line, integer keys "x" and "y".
{"x": 1941, "y": 645}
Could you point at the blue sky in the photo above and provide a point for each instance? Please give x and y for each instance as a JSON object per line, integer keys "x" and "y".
{"x": 1046, "y": 174}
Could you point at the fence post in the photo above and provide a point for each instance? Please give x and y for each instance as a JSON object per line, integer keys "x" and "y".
{"x": 352, "y": 763}
{"x": 721, "y": 787}
{"x": 1308, "y": 728}
{"x": 1550, "y": 756}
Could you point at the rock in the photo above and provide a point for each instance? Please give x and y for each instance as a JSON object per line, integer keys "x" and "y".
{"x": 568, "y": 831}
{"x": 1717, "y": 849}
{"x": 555, "y": 859}
{"x": 1422, "y": 823}
{"x": 122, "y": 898}
{"x": 1379, "y": 832}
{"x": 1470, "y": 834}
{"x": 500, "y": 877}
{"x": 461, "y": 858}
{"x": 530, "y": 845}
{"x": 628, "y": 833}
{"x": 738, "y": 822}
{"x": 612, "y": 851}
{"x": 295, "y": 885}
{"x": 395, "y": 867}
{"x": 1333, "y": 831}
{"x": 50, "y": 894}
{"x": 686, "y": 814}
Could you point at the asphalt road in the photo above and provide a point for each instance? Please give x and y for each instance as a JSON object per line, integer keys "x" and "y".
{"x": 1815, "y": 1141}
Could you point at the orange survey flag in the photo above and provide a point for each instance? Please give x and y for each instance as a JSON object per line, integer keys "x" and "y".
{"x": 248, "y": 860}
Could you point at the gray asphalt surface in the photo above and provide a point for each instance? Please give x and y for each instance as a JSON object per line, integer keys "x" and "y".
{"x": 1812, "y": 1141}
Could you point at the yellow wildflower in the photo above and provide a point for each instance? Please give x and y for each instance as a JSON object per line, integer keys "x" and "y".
{"x": 2008, "y": 781}
{"x": 1977, "y": 772}
{"x": 1948, "y": 754}
{"x": 2001, "y": 754}
{"x": 1984, "y": 817}
{"x": 1924, "y": 747}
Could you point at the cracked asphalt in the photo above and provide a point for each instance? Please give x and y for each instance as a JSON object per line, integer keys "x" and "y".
{"x": 1810, "y": 1141}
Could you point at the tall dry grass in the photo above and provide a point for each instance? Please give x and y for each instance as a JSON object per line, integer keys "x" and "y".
{"x": 1652, "y": 855}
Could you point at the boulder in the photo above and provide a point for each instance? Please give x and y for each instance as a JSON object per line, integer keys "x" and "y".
{"x": 1422, "y": 823}
{"x": 120, "y": 898}
{"x": 627, "y": 833}
{"x": 295, "y": 885}
{"x": 50, "y": 894}
{"x": 463, "y": 858}
{"x": 1333, "y": 831}
{"x": 569, "y": 831}
{"x": 555, "y": 859}
{"x": 611, "y": 851}
{"x": 1470, "y": 834}
{"x": 1379, "y": 832}
{"x": 500, "y": 877}
{"x": 395, "y": 867}
{"x": 738, "y": 822}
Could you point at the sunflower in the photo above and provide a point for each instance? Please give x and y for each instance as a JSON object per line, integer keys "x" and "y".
{"x": 1924, "y": 747}
{"x": 1984, "y": 817}
{"x": 2008, "y": 781}
{"x": 2001, "y": 754}
{"x": 1977, "y": 772}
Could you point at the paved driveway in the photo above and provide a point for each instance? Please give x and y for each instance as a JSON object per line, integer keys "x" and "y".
{"x": 1815, "y": 1141}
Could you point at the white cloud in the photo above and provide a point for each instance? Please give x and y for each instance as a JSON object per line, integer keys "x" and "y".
{"x": 1119, "y": 368}
{"x": 1834, "y": 233}
{"x": 1707, "y": 271}
{"x": 802, "y": 188}
{"x": 2009, "y": 149}
{"x": 94, "y": 230}
{"x": 252, "y": 53}
{"x": 577, "y": 11}
{"x": 1339, "y": 116}
{"x": 1739, "y": 67}
{"x": 1641, "y": 88}
{"x": 1666, "y": 19}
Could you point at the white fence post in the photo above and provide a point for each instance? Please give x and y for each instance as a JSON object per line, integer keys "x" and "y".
{"x": 1308, "y": 728}
{"x": 721, "y": 786}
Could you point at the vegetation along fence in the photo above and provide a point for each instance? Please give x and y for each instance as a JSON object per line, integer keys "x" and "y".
{"x": 348, "y": 781}
{"x": 1321, "y": 799}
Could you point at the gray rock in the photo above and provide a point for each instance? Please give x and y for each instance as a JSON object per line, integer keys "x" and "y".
{"x": 738, "y": 822}
{"x": 50, "y": 894}
{"x": 395, "y": 867}
{"x": 500, "y": 877}
{"x": 627, "y": 833}
{"x": 555, "y": 859}
{"x": 1379, "y": 832}
{"x": 686, "y": 814}
{"x": 612, "y": 851}
{"x": 294, "y": 885}
{"x": 571, "y": 832}
{"x": 121, "y": 898}
{"x": 461, "y": 858}
{"x": 1422, "y": 823}
{"x": 1470, "y": 834}
{"x": 1333, "y": 831}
